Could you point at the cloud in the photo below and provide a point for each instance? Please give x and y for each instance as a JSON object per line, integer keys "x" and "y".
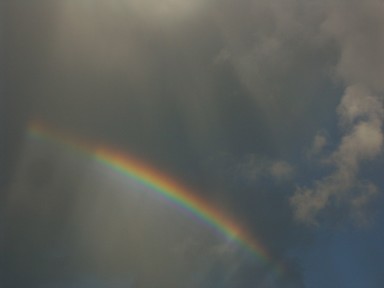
{"x": 356, "y": 27}
{"x": 357, "y": 104}
{"x": 362, "y": 203}
{"x": 320, "y": 141}
{"x": 254, "y": 167}
{"x": 281, "y": 170}
{"x": 282, "y": 59}
{"x": 362, "y": 141}
{"x": 224, "y": 76}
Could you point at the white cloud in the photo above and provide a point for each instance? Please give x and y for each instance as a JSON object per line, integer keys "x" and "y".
{"x": 362, "y": 142}
{"x": 358, "y": 103}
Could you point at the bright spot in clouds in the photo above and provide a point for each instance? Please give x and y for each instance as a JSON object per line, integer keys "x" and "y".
{"x": 157, "y": 10}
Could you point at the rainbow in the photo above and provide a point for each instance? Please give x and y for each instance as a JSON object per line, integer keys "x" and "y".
{"x": 159, "y": 183}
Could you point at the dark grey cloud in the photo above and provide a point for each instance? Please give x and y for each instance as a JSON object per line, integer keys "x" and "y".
{"x": 172, "y": 90}
{"x": 214, "y": 93}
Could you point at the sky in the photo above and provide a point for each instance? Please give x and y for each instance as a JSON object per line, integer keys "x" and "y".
{"x": 270, "y": 111}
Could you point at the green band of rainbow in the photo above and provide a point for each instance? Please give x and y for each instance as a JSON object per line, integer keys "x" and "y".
{"x": 163, "y": 185}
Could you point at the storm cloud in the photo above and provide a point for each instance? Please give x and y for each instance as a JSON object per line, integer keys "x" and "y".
{"x": 268, "y": 109}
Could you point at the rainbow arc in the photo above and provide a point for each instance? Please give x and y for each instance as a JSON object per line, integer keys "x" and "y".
{"x": 162, "y": 184}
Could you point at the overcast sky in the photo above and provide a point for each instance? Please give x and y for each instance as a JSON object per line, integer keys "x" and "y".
{"x": 270, "y": 110}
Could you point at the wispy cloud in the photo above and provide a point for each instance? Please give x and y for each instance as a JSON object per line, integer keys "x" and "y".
{"x": 320, "y": 141}
{"x": 281, "y": 170}
{"x": 255, "y": 167}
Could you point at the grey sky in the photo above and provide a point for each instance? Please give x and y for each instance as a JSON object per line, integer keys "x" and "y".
{"x": 271, "y": 110}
